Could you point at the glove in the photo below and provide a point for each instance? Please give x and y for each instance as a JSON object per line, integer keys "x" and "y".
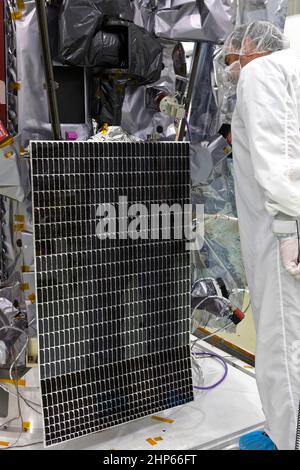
{"x": 286, "y": 229}
{"x": 289, "y": 251}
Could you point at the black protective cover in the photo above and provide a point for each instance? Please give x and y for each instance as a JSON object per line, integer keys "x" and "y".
{"x": 95, "y": 35}
{"x": 79, "y": 22}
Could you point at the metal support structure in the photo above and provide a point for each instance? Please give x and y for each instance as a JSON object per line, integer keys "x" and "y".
{"x": 2, "y": 65}
{"x": 190, "y": 91}
{"x": 3, "y": 115}
{"x": 48, "y": 67}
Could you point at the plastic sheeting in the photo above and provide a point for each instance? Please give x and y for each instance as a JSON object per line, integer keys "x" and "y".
{"x": 210, "y": 307}
{"x": 274, "y": 11}
{"x": 14, "y": 192}
{"x": 140, "y": 120}
{"x": 190, "y": 20}
{"x": 119, "y": 53}
{"x": 145, "y": 55}
{"x": 15, "y": 217}
{"x": 141, "y": 54}
{"x": 143, "y": 65}
{"x": 145, "y": 11}
{"x": 33, "y": 113}
{"x": 90, "y": 35}
{"x": 213, "y": 187}
{"x": 14, "y": 175}
{"x": 13, "y": 340}
{"x": 113, "y": 134}
{"x": 107, "y": 50}
{"x": 108, "y": 97}
{"x": 207, "y": 160}
{"x": 79, "y": 22}
{"x": 9, "y": 257}
{"x": 9, "y": 317}
{"x": 226, "y": 91}
{"x": 7, "y": 312}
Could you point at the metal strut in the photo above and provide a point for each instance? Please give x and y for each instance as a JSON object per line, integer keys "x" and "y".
{"x": 48, "y": 68}
{"x": 190, "y": 91}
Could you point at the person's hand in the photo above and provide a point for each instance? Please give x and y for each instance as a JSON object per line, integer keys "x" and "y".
{"x": 289, "y": 250}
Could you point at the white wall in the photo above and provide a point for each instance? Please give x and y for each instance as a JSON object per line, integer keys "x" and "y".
{"x": 294, "y": 7}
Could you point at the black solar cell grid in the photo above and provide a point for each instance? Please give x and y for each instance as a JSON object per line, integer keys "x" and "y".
{"x": 113, "y": 314}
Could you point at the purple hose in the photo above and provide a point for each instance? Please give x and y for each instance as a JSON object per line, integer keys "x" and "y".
{"x": 219, "y": 358}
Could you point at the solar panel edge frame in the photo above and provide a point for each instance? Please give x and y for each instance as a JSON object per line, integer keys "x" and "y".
{"x": 31, "y": 144}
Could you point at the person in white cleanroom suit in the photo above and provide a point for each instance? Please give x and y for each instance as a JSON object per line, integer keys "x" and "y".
{"x": 266, "y": 147}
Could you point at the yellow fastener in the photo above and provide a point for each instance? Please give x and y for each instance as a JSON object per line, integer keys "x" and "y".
{"x": 20, "y": 4}
{"x": 8, "y": 154}
{"x": 31, "y": 298}
{"x": 19, "y": 218}
{"x": 151, "y": 441}
{"x": 25, "y": 287}
{"x": 163, "y": 420}
{"x": 16, "y": 15}
{"x": 4, "y": 444}
{"x": 26, "y": 425}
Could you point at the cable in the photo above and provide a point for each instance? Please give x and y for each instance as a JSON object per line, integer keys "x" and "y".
{"x": 223, "y": 362}
{"x": 9, "y": 421}
{"x": 17, "y": 390}
{"x": 247, "y": 308}
{"x": 30, "y": 324}
{"x": 220, "y": 330}
{"x": 195, "y": 364}
{"x": 246, "y": 291}
{"x": 26, "y": 401}
{"x": 15, "y": 383}
{"x": 221, "y": 217}
{"x": 22, "y": 430}
{"x": 223, "y": 328}
{"x": 217, "y": 331}
{"x": 10, "y": 374}
{"x": 19, "y": 395}
{"x": 28, "y": 445}
{"x": 7, "y": 327}
{"x": 210, "y": 297}
{"x": 217, "y": 258}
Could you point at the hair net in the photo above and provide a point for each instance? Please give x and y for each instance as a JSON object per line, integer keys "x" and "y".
{"x": 234, "y": 41}
{"x": 254, "y": 38}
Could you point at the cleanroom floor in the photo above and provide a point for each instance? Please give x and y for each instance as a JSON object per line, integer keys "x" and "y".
{"x": 215, "y": 420}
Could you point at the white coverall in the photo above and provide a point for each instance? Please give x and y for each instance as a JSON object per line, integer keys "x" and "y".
{"x": 266, "y": 146}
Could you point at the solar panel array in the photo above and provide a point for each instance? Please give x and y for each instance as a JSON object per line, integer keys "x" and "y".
{"x": 113, "y": 314}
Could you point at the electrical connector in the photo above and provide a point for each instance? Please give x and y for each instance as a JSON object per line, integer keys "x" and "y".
{"x": 237, "y": 316}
